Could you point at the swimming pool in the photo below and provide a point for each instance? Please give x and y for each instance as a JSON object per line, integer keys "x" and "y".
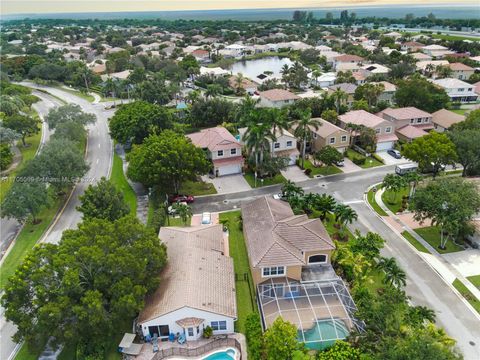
{"x": 323, "y": 334}
{"x": 228, "y": 354}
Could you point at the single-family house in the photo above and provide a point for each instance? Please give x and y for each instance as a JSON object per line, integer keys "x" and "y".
{"x": 347, "y": 88}
{"x": 249, "y": 86}
{"x": 443, "y": 119}
{"x": 289, "y": 257}
{"x": 342, "y": 59}
{"x": 324, "y": 80}
{"x": 388, "y": 94}
{"x": 409, "y": 122}
{"x": 384, "y": 129}
{"x": 221, "y": 148}
{"x": 197, "y": 287}
{"x": 419, "y": 56}
{"x": 428, "y": 66}
{"x": 201, "y": 55}
{"x": 236, "y": 50}
{"x": 457, "y": 90}
{"x": 476, "y": 87}
{"x": 412, "y": 46}
{"x": 328, "y": 134}
{"x": 376, "y": 69}
{"x": 277, "y": 98}
{"x": 213, "y": 71}
{"x": 461, "y": 71}
{"x": 436, "y": 51}
{"x": 285, "y": 144}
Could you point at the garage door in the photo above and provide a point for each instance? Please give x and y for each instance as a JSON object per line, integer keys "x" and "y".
{"x": 293, "y": 160}
{"x": 385, "y": 145}
{"x": 229, "y": 169}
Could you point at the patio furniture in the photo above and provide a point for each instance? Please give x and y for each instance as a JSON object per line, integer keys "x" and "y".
{"x": 171, "y": 337}
{"x": 181, "y": 339}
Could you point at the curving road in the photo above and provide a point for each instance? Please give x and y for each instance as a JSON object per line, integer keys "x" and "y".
{"x": 424, "y": 285}
{"x": 99, "y": 157}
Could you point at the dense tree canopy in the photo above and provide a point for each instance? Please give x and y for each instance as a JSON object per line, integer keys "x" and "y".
{"x": 82, "y": 289}
{"x": 68, "y": 113}
{"x": 22, "y": 124}
{"x": 166, "y": 161}
{"x": 135, "y": 121}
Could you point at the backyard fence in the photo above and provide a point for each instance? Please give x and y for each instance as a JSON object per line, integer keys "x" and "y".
{"x": 198, "y": 351}
{"x": 246, "y": 277}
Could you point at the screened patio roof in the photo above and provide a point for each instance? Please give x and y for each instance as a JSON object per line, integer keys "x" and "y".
{"x": 322, "y": 311}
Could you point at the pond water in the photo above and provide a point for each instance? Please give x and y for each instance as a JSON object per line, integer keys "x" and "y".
{"x": 253, "y": 68}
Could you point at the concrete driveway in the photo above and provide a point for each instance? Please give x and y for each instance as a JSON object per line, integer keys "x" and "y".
{"x": 294, "y": 173}
{"x": 467, "y": 262}
{"x": 349, "y": 166}
{"x": 228, "y": 184}
{"x": 390, "y": 160}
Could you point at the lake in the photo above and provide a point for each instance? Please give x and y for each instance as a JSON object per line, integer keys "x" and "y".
{"x": 253, "y": 68}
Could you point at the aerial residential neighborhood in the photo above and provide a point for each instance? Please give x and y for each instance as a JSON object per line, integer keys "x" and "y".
{"x": 215, "y": 182}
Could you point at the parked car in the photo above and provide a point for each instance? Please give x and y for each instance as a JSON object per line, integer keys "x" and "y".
{"x": 395, "y": 153}
{"x": 206, "y": 218}
{"x": 340, "y": 163}
{"x": 181, "y": 198}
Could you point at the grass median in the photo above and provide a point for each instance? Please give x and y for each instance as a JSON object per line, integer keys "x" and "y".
{"x": 373, "y": 203}
{"x": 118, "y": 179}
{"x": 462, "y": 289}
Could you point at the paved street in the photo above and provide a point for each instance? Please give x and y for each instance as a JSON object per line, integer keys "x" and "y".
{"x": 424, "y": 285}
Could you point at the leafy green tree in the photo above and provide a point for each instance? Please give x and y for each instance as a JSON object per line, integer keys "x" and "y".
{"x": 369, "y": 92}
{"x": 137, "y": 120}
{"x": 447, "y": 203}
{"x": 303, "y": 130}
{"x": 70, "y": 130}
{"x": 190, "y": 65}
{"x": 431, "y": 151}
{"x": 369, "y": 244}
{"x": 82, "y": 290}
{"x": 22, "y": 124}
{"x": 341, "y": 350}
{"x": 254, "y": 335}
{"x": 329, "y": 155}
{"x": 211, "y": 112}
{"x": 281, "y": 340}
{"x": 166, "y": 161}
{"x": 103, "y": 201}
{"x": 419, "y": 92}
{"x": 24, "y": 201}
{"x": 257, "y": 140}
{"x": 6, "y": 156}
{"x": 154, "y": 90}
{"x": 8, "y": 136}
{"x": 467, "y": 147}
{"x": 330, "y": 116}
{"x": 11, "y": 105}
{"x": 290, "y": 190}
{"x": 394, "y": 184}
{"x": 184, "y": 211}
{"x": 61, "y": 162}
{"x": 67, "y": 113}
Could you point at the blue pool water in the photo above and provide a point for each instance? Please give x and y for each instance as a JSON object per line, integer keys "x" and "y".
{"x": 323, "y": 330}
{"x": 228, "y": 354}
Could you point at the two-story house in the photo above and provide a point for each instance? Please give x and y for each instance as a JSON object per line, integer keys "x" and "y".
{"x": 345, "y": 58}
{"x": 221, "y": 148}
{"x": 285, "y": 144}
{"x": 457, "y": 90}
{"x": 383, "y": 128}
{"x": 277, "y": 98}
{"x": 388, "y": 93}
{"x": 347, "y": 88}
{"x": 461, "y": 71}
{"x": 328, "y": 134}
{"x": 280, "y": 243}
{"x": 436, "y": 51}
{"x": 409, "y": 122}
{"x": 412, "y": 46}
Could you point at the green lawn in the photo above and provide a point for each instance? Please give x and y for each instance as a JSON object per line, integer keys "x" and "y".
{"x": 375, "y": 280}
{"x": 117, "y": 177}
{"x": 26, "y": 354}
{"x": 321, "y": 170}
{"x": 238, "y": 251}
{"x": 373, "y": 203}
{"x": 28, "y": 153}
{"x": 197, "y": 188}
{"x": 175, "y": 221}
{"x": 27, "y": 238}
{"x": 80, "y": 94}
{"x": 417, "y": 244}
{"x": 431, "y": 234}
{"x": 330, "y": 225}
{"x": 462, "y": 289}
{"x": 369, "y": 162}
{"x": 277, "y": 179}
{"x": 459, "y": 111}
{"x": 453, "y": 37}
{"x": 475, "y": 280}
{"x": 394, "y": 201}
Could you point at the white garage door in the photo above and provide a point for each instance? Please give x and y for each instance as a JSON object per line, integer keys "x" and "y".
{"x": 385, "y": 145}
{"x": 229, "y": 169}
{"x": 293, "y": 159}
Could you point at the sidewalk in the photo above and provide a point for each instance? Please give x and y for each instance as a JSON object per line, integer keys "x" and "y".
{"x": 435, "y": 259}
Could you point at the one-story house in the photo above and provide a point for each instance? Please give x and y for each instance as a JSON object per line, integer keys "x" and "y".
{"x": 197, "y": 287}
{"x": 443, "y": 119}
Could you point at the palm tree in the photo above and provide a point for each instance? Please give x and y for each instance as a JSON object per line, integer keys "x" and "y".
{"x": 257, "y": 141}
{"x": 193, "y": 96}
{"x": 394, "y": 275}
{"x": 289, "y": 189}
{"x": 213, "y": 90}
{"x": 412, "y": 178}
{"x": 303, "y": 130}
{"x": 325, "y": 204}
{"x": 338, "y": 97}
{"x": 278, "y": 120}
{"x": 239, "y": 82}
{"x": 345, "y": 215}
{"x": 394, "y": 183}
{"x": 246, "y": 110}
{"x": 309, "y": 202}
{"x": 316, "y": 74}
{"x": 184, "y": 211}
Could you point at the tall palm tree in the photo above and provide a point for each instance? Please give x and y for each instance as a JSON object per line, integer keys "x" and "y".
{"x": 325, "y": 204}
{"x": 289, "y": 189}
{"x": 184, "y": 211}
{"x": 278, "y": 120}
{"x": 239, "y": 82}
{"x": 339, "y": 96}
{"x": 246, "y": 110}
{"x": 257, "y": 141}
{"x": 394, "y": 275}
{"x": 213, "y": 90}
{"x": 303, "y": 130}
{"x": 412, "y": 178}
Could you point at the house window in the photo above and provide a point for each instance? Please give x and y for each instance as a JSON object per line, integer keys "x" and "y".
{"x": 378, "y": 130}
{"x": 218, "y": 325}
{"x": 344, "y": 138}
{"x": 460, "y": 89}
{"x": 470, "y": 89}
{"x": 190, "y": 331}
{"x": 425, "y": 120}
{"x": 388, "y": 130}
{"x": 289, "y": 143}
{"x": 233, "y": 151}
{"x": 412, "y": 121}
{"x": 314, "y": 135}
{"x": 332, "y": 140}
{"x": 220, "y": 152}
{"x": 276, "y": 145}
{"x": 273, "y": 271}
{"x": 317, "y": 259}
{"x": 198, "y": 330}
{"x": 419, "y": 120}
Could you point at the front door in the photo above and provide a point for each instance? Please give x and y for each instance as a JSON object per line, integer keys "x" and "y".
{"x": 164, "y": 330}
